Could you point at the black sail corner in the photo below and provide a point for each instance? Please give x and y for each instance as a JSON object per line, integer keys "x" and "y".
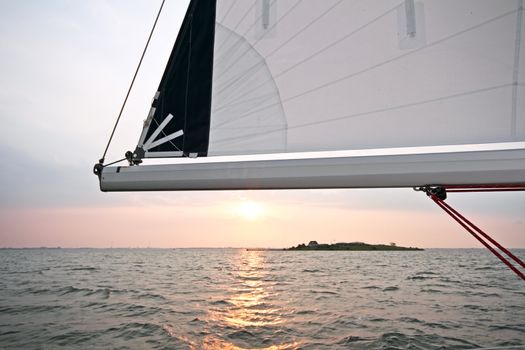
{"x": 179, "y": 120}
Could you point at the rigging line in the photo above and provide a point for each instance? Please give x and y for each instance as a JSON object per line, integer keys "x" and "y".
{"x": 329, "y": 46}
{"x": 115, "y": 162}
{"x": 501, "y": 347}
{"x": 487, "y": 190}
{"x": 479, "y": 231}
{"x": 392, "y": 108}
{"x": 240, "y": 40}
{"x": 505, "y": 186}
{"x": 515, "y": 73}
{"x": 101, "y": 161}
{"x": 260, "y": 64}
{"x": 255, "y": 43}
{"x": 228, "y": 11}
{"x": 375, "y": 66}
{"x": 459, "y": 219}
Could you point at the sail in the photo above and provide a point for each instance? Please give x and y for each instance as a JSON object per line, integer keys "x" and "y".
{"x": 179, "y": 119}
{"x": 391, "y": 93}
{"x": 274, "y": 76}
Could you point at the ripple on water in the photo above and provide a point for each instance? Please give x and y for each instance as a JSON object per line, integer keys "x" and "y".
{"x": 329, "y": 292}
{"x": 398, "y": 340}
{"x": 30, "y": 309}
{"x": 390, "y": 289}
{"x": 512, "y": 327}
{"x": 371, "y": 287}
{"x": 87, "y": 268}
{"x": 262, "y": 300}
{"x": 101, "y": 292}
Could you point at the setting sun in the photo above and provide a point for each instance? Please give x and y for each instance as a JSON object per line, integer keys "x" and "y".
{"x": 249, "y": 210}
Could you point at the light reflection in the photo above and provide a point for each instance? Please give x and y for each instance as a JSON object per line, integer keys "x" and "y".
{"x": 249, "y": 302}
{"x": 215, "y": 344}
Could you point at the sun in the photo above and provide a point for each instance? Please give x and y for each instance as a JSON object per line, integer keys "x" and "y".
{"x": 249, "y": 210}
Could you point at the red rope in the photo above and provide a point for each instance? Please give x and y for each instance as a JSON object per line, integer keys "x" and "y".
{"x": 512, "y": 256}
{"x": 470, "y": 227}
{"x": 485, "y": 188}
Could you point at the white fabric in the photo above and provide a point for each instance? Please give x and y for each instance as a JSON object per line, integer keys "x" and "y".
{"x": 312, "y": 75}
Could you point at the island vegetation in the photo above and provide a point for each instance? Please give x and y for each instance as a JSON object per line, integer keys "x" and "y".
{"x": 313, "y": 245}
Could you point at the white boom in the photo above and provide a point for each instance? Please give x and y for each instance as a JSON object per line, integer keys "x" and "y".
{"x": 371, "y": 171}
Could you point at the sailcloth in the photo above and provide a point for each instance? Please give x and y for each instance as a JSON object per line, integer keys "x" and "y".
{"x": 273, "y": 76}
{"x": 441, "y": 78}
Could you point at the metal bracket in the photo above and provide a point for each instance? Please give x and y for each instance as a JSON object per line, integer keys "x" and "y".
{"x": 135, "y": 158}
{"x": 438, "y": 191}
{"x": 97, "y": 169}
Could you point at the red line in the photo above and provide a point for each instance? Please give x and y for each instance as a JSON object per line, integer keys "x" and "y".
{"x": 515, "y": 258}
{"x": 458, "y": 217}
{"x": 485, "y": 190}
{"x": 487, "y": 186}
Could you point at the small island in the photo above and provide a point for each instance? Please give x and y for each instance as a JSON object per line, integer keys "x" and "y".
{"x": 313, "y": 245}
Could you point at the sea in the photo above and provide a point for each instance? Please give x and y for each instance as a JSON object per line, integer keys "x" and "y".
{"x": 238, "y": 299}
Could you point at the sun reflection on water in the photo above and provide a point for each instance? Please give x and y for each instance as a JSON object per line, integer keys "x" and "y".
{"x": 214, "y": 344}
{"x": 248, "y": 302}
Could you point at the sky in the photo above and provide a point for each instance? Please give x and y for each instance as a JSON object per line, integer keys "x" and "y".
{"x": 65, "y": 67}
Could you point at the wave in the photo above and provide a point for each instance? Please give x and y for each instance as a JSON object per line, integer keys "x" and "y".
{"x": 271, "y": 303}
{"x": 390, "y": 289}
{"x": 83, "y": 269}
{"x": 102, "y": 292}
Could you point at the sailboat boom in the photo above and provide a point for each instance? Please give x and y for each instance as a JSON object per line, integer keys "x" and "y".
{"x": 381, "y": 171}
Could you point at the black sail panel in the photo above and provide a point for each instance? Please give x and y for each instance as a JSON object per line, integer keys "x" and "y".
{"x": 179, "y": 123}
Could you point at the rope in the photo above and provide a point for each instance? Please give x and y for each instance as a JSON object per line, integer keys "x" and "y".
{"x": 502, "y": 347}
{"x": 101, "y": 161}
{"x": 115, "y": 162}
{"x": 470, "y": 227}
{"x": 485, "y": 188}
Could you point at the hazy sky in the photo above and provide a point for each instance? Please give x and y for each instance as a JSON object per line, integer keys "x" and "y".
{"x": 64, "y": 70}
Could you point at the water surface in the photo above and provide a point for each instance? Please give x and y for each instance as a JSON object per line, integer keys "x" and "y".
{"x": 238, "y": 299}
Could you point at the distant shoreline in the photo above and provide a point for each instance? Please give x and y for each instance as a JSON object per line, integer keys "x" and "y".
{"x": 211, "y": 248}
{"x": 353, "y": 246}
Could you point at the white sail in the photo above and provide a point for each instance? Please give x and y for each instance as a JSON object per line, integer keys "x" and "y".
{"x": 339, "y": 74}
{"x": 265, "y": 77}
